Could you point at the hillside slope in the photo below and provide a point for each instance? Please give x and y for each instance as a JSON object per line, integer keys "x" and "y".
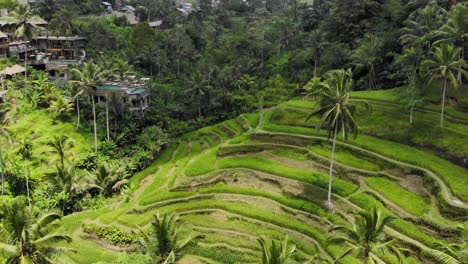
{"x": 265, "y": 174}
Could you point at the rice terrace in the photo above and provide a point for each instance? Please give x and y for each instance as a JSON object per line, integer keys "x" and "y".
{"x": 265, "y": 174}
{"x": 233, "y": 132}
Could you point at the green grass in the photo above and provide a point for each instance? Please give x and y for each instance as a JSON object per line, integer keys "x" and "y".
{"x": 456, "y": 177}
{"x": 300, "y": 104}
{"x": 253, "y": 119}
{"x": 345, "y": 157}
{"x": 390, "y": 95}
{"x": 366, "y": 201}
{"x": 262, "y": 164}
{"x": 407, "y": 200}
{"x": 291, "y": 154}
{"x": 202, "y": 164}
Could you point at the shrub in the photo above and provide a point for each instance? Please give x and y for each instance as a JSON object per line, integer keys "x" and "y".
{"x": 111, "y": 234}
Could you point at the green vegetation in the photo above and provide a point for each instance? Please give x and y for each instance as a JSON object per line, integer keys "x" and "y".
{"x": 407, "y": 200}
{"x": 270, "y": 136}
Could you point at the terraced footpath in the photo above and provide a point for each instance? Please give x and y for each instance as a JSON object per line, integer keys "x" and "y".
{"x": 261, "y": 175}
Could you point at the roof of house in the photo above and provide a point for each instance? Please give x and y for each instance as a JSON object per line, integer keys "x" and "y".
{"x": 106, "y": 3}
{"x": 37, "y": 21}
{"x": 129, "y": 90}
{"x": 73, "y": 38}
{"x": 3, "y": 35}
{"x": 15, "y": 69}
{"x": 155, "y": 23}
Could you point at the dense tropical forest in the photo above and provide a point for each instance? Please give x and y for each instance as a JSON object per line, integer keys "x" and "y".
{"x": 248, "y": 131}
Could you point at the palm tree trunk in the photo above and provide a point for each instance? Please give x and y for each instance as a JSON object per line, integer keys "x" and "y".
{"x": 94, "y": 121}
{"x": 78, "y": 113}
{"x": 331, "y": 168}
{"x": 459, "y": 75}
{"x": 443, "y": 104}
{"x": 26, "y": 68}
{"x": 411, "y": 115}
{"x": 3, "y": 169}
{"x": 315, "y": 67}
{"x": 107, "y": 116}
{"x": 27, "y": 182}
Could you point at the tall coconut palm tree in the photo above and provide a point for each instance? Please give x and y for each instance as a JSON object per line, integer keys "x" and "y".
{"x": 336, "y": 109}
{"x": 165, "y": 243}
{"x": 455, "y": 31}
{"x": 122, "y": 68}
{"x": 276, "y": 252}
{"x": 366, "y": 237}
{"x": 198, "y": 88}
{"x": 317, "y": 42}
{"x": 420, "y": 27}
{"x": 25, "y": 150}
{"x": 444, "y": 66}
{"x": 73, "y": 92}
{"x": 3, "y": 133}
{"x": 71, "y": 184}
{"x": 25, "y": 238}
{"x": 60, "y": 145}
{"x": 24, "y": 29}
{"x": 367, "y": 56}
{"x": 90, "y": 75}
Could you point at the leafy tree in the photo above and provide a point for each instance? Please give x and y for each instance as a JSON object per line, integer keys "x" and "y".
{"x": 336, "y": 109}
{"x": 62, "y": 22}
{"x": 25, "y": 238}
{"x": 60, "y": 107}
{"x": 110, "y": 177}
{"x": 411, "y": 97}
{"x": 70, "y": 186}
{"x": 198, "y": 89}
{"x": 317, "y": 41}
{"x": 276, "y": 252}
{"x": 165, "y": 243}
{"x": 152, "y": 138}
{"x": 122, "y": 68}
{"x": 366, "y": 237}
{"x": 444, "y": 66}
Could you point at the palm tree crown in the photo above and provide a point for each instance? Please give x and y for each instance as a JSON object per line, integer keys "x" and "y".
{"x": 335, "y": 106}
{"x": 366, "y": 237}
{"x": 165, "y": 242}
{"x": 444, "y": 65}
{"x": 276, "y": 252}
{"x": 22, "y": 16}
{"x": 25, "y": 238}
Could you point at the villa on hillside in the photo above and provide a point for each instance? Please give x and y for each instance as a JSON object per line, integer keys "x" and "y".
{"x": 134, "y": 94}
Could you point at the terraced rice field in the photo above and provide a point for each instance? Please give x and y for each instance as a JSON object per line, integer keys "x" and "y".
{"x": 266, "y": 175}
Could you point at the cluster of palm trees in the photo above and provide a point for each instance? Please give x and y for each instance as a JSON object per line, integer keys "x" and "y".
{"x": 87, "y": 77}
{"x": 435, "y": 49}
